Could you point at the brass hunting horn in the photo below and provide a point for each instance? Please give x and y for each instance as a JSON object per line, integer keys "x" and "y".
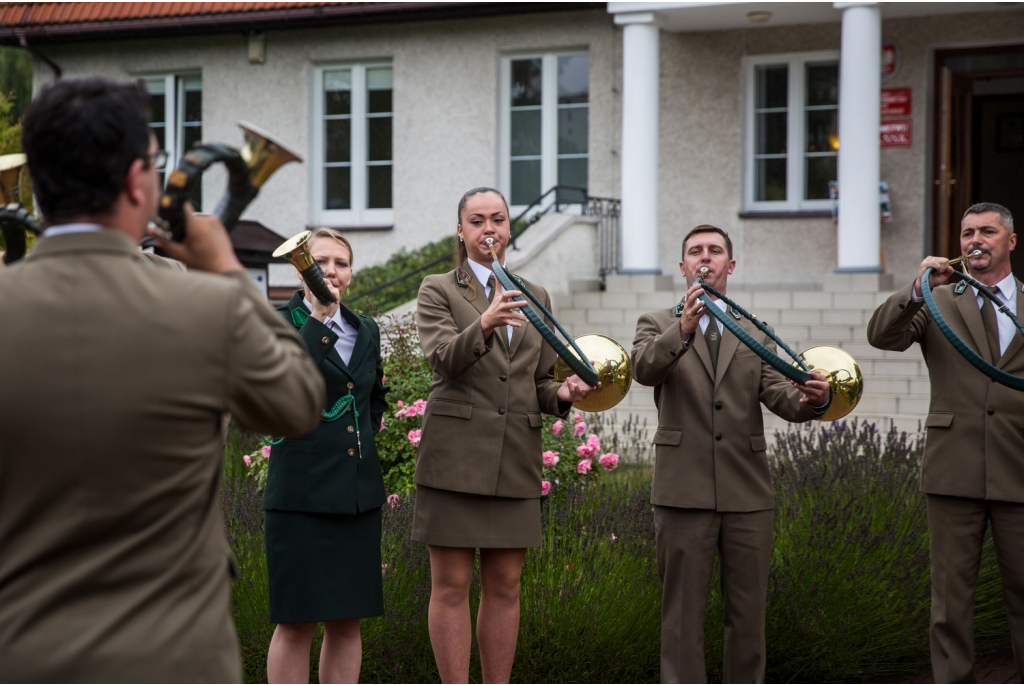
{"x": 837, "y": 365}
{"x": 248, "y": 169}
{"x": 15, "y": 221}
{"x": 296, "y": 251}
{"x": 594, "y": 358}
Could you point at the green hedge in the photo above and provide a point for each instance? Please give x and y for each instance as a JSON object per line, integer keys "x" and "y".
{"x": 400, "y": 263}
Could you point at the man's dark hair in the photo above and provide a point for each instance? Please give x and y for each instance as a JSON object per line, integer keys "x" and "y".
{"x": 983, "y": 207}
{"x": 708, "y": 228}
{"x": 81, "y": 136}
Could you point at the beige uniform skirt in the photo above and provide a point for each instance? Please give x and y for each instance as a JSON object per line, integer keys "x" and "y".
{"x": 459, "y": 519}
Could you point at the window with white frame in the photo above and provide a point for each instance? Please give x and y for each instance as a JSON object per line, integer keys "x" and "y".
{"x": 545, "y": 122}
{"x": 791, "y": 145}
{"x": 177, "y": 118}
{"x": 351, "y": 145}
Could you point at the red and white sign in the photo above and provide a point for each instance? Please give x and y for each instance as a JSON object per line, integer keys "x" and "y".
{"x": 896, "y": 102}
{"x": 892, "y": 59}
{"x": 896, "y": 133}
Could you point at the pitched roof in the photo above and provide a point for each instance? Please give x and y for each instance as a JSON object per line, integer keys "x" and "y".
{"x": 51, "y": 22}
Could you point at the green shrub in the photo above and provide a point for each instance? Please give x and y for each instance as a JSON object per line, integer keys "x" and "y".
{"x": 400, "y": 263}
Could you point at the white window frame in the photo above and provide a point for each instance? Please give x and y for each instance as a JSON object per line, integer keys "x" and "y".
{"x": 795, "y": 133}
{"x": 548, "y": 120}
{"x": 359, "y": 214}
{"x": 174, "y": 113}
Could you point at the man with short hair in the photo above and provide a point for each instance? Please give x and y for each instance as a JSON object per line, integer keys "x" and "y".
{"x": 117, "y": 383}
{"x": 712, "y": 489}
{"x": 973, "y": 471}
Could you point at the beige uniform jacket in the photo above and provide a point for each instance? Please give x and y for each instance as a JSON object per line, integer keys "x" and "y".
{"x": 482, "y": 426}
{"x": 710, "y": 445}
{"x": 116, "y": 380}
{"x": 975, "y": 427}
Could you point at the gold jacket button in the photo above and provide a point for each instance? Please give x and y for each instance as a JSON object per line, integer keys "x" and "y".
{"x": 351, "y": 453}
{"x": 325, "y": 340}
{"x": 350, "y": 385}
{"x": 351, "y": 429}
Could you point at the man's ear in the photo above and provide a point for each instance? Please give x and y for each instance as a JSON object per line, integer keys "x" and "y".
{"x": 1013, "y": 241}
{"x": 134, "y": 187}
{"x": 732, "y": 266}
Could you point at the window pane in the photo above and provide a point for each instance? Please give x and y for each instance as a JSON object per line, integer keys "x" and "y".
{"x": 822, "y": 84}
{"x": 379, "y": 129}
{"x": 379, "y": 187}
{"x": 772, "y": 86}
{"x": 572, "y": 130}
{"x": 378, "y": 79}
{"x": 770, "y": 133}
{"x": 337, "y": 92}
{"x": 159, "y": 105}
{"x": 526, "y": 133}
{"x": 190, "y": 136}
{"x": 161, "y": 135}
{"x": 378, "y": 101}
{"x": 770, "y": 180}
{"x": 193, "y": 88}
{"x": 525, "y": 82}
{"x": 339, "y": 140}
{"x": 378, "y": 86}
{"x": 573, "y": 79}
{"x": 338, "y": 192}
{"x": 572, "y": 172}
{"x": 823, "y": 130}
{"x": 525, "y": 181}
{"x": 820, "y": 170}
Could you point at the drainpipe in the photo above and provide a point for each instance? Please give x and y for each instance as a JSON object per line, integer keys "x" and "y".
{"x": 57, "y": 72}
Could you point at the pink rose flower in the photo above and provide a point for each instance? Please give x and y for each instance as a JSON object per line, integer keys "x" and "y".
{"x": 580, "y": 429}
{"x": 577, "y": 418}
{"x": 393, "y": 500}
{"x": 265, "y": 451}
{"x": 382, "y": 423}
{"x": 545, "y": 488}
{"x": 584, "y": 466}
{"x": 556, "y": 427}
{"x": 419, "y": 407}
{"x": 585, "y": 450}
{"x": 248, "y": 460}
{"x": 614, "y": 538}
{"x": 399, "y": 404}
{"x": 594, "y": 442}
{"x": 609, "y": 461}
{"x": 414, "y": 437}
{"x": 550, "y": 459}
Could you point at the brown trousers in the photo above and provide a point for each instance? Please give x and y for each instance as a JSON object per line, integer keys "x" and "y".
{"x": 686, "y": 543}
{"x": 956, "y": 526}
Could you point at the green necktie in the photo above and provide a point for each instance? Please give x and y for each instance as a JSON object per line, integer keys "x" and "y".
{"x": 713, "y": 339}
{"x": 988, "y": 317}
{"x": 490, "y": 284}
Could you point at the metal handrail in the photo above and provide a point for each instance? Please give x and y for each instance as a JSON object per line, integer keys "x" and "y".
{"x": 557, "y": 190}
{"x": 399, "y": 279}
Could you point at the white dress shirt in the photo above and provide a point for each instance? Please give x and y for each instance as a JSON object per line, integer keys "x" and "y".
{"x": 1008, "y": 294}
{"x": 64, "y": 229}
{"x": 347, "y": 333}
{"x": 483, "y": 274}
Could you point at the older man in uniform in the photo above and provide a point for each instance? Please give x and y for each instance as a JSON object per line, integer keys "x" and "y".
{"x": 116, "y": 383}
{"x": 973, "y": 473}
{"x": 712, "y": 489}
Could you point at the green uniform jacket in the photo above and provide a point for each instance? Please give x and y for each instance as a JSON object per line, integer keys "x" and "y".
{"x": 322, "y": 471}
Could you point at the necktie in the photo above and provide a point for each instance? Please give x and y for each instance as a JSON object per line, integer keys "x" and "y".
{"x": 988, "y": 317}
{"x": 713, "y": 340}
{"x": 490, "y": 285}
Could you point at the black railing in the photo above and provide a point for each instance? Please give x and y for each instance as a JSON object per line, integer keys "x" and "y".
{"x": 562, "y": 198}
{"x": 607, "y": 210}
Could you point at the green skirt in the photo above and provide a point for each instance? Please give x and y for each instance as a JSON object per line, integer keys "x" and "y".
{"x": 323, "y": 567}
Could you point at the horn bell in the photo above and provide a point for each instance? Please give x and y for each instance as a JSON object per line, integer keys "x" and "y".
{"x": 11, "y": 168}
{"x": 614, "y": 370}
{"x": 844, "y": 376}
{"x": 263, "y": 154}
{"x": 296, "y": 251}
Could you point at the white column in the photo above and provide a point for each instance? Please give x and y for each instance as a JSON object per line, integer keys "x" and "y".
{"x": 859, "y": 93}
{"x": 640, "y": 62}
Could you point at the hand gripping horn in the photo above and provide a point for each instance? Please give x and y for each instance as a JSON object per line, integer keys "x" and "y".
{"x": 979, "y": 362}
{"x": 15, "y": 221}
{"x": 248, "y": 169}
{"x": 594, "y": 358}
{"x": 837, "y": 365}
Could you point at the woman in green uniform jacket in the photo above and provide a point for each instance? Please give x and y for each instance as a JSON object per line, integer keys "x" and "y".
{"x": 325, "y": 489}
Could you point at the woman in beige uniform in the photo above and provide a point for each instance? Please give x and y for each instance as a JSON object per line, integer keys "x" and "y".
{"x": 478, "y": 469}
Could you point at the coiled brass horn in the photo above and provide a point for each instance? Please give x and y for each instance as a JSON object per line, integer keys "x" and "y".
{"x": 16, "y": 222}
{"x": 840, "y": 369}
{"x": 248, "y": 169}
{"x": 296, "y": 251}
{"x": 594, "y": 358}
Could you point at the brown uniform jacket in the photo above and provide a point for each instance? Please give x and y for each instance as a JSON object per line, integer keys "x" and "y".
{"x": 482, "y": 425}
{"x": 974, "y": 445}
{"x": 116, "y": 379}
{"x": 710, "y": 445}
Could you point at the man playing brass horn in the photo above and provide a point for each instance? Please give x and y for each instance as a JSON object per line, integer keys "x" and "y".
{"x": 973, "y": 472}
{"x": 712, "y": 489}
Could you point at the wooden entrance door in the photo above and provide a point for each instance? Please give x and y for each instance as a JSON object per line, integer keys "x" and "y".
{"x": 953, "y": 178}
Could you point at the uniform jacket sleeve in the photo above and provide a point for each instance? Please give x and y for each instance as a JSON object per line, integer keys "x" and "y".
{"x": 449, "y": 352}
{"x": 899, "y": 322}
{"x": 655, "y": 352}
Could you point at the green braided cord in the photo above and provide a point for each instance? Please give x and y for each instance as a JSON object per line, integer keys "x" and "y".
{"x": 800, "y": 376}
{"x": 340, "y": 407}
{"x": 580, "y": 365}
{"x": 266, "y": 440}
{"x": 979, "y": 362}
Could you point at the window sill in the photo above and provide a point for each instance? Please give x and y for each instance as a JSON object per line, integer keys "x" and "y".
{"x": 354, "y": 227}
{"x": 787, "y": 214}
